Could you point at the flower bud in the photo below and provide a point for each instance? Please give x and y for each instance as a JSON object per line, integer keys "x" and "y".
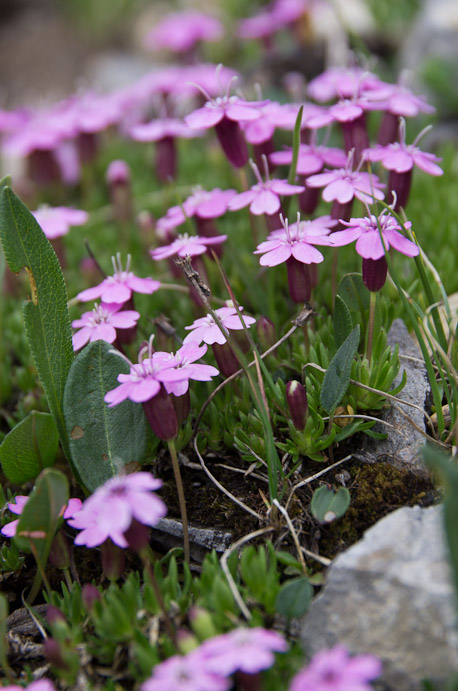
{"x": 296, "y": 398}
{"x": 266, "y": 333}
{"x": 118, "y": 179}
{"x": 232, "y": 142}
{"x": 54, "y": 614}
{"x": 90, "y": 595}
{"x": 374, "y": 273}
{"x": 53, "y": 653}
{"x": 113, "y": 560}
{"x": 298, "y": 280}
{"x": 161, "y": 415}
{"x": 225, "y": 358}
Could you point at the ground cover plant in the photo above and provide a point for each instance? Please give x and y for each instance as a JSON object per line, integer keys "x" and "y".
{"x": 203, "y": 342}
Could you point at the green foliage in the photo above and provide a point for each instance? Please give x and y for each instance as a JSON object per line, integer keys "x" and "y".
{"x": 29, "y": 447}
{"x": 294, "y": 597}
{"x": 337, "y": 377}
{"x": 102, "y": 440}
{"x": 10, "y": 558}
{"x": 46, "y": 318}
{"x": 327, "y": 504}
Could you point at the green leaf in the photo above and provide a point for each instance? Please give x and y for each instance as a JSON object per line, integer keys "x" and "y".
{"x": 343, "y": 323}
{"x": 29, "y": 447}
{"x": 40, "y": 520}
{"x": 337, "y": 376}
{"x": 46, "y": 318}
{"x": 102, "y": 440}
{"x": 294, "y": 597}
{"x": 353, "y": 292}
{"x": 327, "y": 505}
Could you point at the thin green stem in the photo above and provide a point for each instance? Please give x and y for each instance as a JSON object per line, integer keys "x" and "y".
{"x": 181, "y": 497}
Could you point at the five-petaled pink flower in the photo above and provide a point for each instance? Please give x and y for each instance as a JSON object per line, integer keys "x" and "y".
{"x": 57, "y": 221}
{"x": 184, "y": 673}
{"x": 264, "y": 196}
{"x": 17, "y": 507}
{"x": 40, "y": 685}
{"x": 343, "y": 184}
{"x": 243, "y": 649}
{"x": 207, "y": 331}
{"x": 401, "y": 157}
{"x": 101, "y": 324}
{"x": 183, "y": 366}
{"x": 296, "y": 240}
{"x": 335, "y": 670}
{"x": 119, "y": 287}
{"x": 186, "y": 245}
{"x": 366, "y": 231}
{"x": 111, "y": 509}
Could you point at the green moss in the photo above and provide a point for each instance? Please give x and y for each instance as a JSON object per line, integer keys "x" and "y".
{"x": 376, "y": 490}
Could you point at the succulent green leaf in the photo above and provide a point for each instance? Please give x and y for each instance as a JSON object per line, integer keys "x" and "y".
{"x": 343, "y": 323}
{"x": 337, "y": 376}
{"x": 30, "y": 446}
{"x": 102, "y": 440}
{"x": 328, "y": 505}
{"x": 46, "y": 317}
{"x": 294, "y": 597}
{"x": 41, "y": 515}
{"x": 353, "y": 292}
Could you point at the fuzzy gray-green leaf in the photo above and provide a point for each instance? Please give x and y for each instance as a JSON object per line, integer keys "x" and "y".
{"x": 46, "y": 317}
{"x": 337, "y": 377}
{"x": 327, "y": 505}
{"x": 102, "y": 440}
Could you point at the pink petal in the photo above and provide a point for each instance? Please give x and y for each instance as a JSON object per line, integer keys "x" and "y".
{"x": 116, "y": 292}
{"x": 307, "y": 254}
{"x": 103, "y": 332}
{"x": 237, "y": 111}
{"x": 118, "y": 395}
{"x": 369, "y": 245}
{"x": 265, "y": 202}
{"x": 125, "y": 319}
{"x": 204, "y": 117}
{"x": 91, "y": 293}
{"x": 400, "y": 161}
{"x": 277, "y": 256}
{"x": 241, "y": 200}
{"x": 81, "y": 337}
{"x": 341, "y": 190}
{"x": 143, "y": 285}
{"x": 283, "y": 187}
{"x": 144, "y": 390}
{"x": 424, "y": 162}
{"x": 401, "y": 243}
{"x": 320, "y": 180}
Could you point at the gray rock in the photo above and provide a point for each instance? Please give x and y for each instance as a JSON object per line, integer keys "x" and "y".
{"x": 402, "y": 448}
{"x": 391, "y": 595}
{"x": 168, "y": 533}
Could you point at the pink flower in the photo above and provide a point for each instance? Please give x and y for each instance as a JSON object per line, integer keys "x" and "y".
{"x": 401, "y": 158}
{"x": 143, "y": 381}
{"x": 343, "y": 184}
{"x": 296, "y": 240}
{"x": 244, "y": 649}
{"x": 342, "y": 82}
{"x": 201, "y": 203}
{"x": 335, "y": 670}
{"x": 184, "y": 673}
{"x": 119, "y": 287}
{"x": 399, "y": 100}
{"x": 260, "y": 26}
{"x": 57, "y": 221}
{"x": 40, "y": 685}
{"x": 161, "y": 128}
{"x": 9, "y": 530}
{"x": 366, "y": 233}
{"x": 101, "y": 324}
{"x": 183, "y": 367}
{"x": 110, "y": 510}
{"x": 264, "y": 196}
{"x": 311, "y": 159}
{"x": 206, "y": 330}
{"x": 186, "y": 245}
{"x": 180, "y": 31}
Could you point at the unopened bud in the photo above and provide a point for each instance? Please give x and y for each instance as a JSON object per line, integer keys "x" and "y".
{"x": 296, "y": 399}
{"x": 90, "y": 595}
{"x": 53, "y": 653}
{"x": 161, "y": 415}
{"x": 266, "y": 333}
{"x": 186, "y": 642}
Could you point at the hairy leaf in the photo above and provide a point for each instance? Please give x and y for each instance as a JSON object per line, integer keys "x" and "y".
{"x": 337, "y": 377}
{"x": 29, "y": 447}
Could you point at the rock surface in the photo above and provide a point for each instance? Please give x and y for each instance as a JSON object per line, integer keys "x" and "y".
{"x": 391, "y": 595}
{"x": 403, "y": 446}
